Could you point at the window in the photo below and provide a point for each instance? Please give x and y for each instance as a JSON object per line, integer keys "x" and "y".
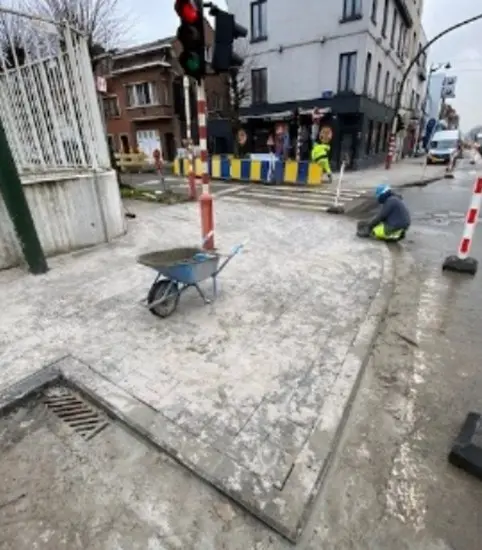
{"x": 394, "y": 28}
{"x": 374, "y": 11}
{"x": 377, "y": 81}
{"x": 385, "y": 88}
{"x": 394, "y": 90}
{"x": 401, "y": 39}
{"x": 351, "y": 10}
{"x": 259, "y": 85}
{"x": 414, "y": 43}
{"x": 385, "y": 18}
{"x": 347, "y": 72}
{"x": 141, "y": 94}
{"x": 368, "y": 68}
{"x": 259, "y": 20}
{"x": 111, "y": 107}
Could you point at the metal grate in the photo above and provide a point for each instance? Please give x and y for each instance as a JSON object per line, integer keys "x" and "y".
{"x": 75, "y": 412}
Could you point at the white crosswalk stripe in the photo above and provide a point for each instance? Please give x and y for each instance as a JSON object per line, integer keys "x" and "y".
{"x": 312, "y": 199}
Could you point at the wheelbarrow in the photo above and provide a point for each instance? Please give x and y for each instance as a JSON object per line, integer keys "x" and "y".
{"x": 179, "y": 269}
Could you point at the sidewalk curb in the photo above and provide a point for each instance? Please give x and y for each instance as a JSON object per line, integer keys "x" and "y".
{"x": 419, "y": 183}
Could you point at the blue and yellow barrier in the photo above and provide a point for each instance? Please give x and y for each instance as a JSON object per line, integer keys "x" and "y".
{"x": 227, "y": 168}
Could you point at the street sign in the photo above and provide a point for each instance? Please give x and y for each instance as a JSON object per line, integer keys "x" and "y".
{"x": 448, "y": 87}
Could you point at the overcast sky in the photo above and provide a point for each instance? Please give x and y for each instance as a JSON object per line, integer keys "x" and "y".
{"x": 462, "y": 48}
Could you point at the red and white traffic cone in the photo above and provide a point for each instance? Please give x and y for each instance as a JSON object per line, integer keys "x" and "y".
{"x": 462, "y": 262}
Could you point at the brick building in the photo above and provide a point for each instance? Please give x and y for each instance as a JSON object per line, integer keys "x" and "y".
{"x": 144, "y": 99}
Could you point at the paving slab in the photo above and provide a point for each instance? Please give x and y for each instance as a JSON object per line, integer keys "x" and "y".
{"x": 249, "y": 392}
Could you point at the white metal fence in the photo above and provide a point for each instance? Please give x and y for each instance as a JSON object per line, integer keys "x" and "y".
{"x": 48, "y": 100}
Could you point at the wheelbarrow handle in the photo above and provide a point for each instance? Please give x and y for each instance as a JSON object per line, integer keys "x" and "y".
{"x": 230, "y": 256}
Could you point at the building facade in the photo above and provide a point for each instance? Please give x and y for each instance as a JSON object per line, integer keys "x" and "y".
{"x": 144, "y": 99}
{"x": 345, "y": 56}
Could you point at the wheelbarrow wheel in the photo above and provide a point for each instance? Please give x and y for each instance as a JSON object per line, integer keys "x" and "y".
{"x": 168, "y": 292}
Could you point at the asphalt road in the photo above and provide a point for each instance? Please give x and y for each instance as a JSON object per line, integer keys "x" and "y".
{"x": 391, "y": 485}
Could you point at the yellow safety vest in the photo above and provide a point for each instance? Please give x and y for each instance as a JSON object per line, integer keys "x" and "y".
{"x": 319, "y": 152}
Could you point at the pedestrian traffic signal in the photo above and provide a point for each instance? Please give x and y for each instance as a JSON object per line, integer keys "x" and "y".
{"x": 226, "y": 32}
{"x": 191, "y": 36}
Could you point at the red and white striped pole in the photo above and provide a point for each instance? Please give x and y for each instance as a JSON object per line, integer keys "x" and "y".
{"x": 391, "y": 144}
{"x": 191, "y": 178}
{"x": 391, "y": 151}
{"x": 462, "y": 262}
{"x": 299, "y": 135}
{"x": 206, "y": 199}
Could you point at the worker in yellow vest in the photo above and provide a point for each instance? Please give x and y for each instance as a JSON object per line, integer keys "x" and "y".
{"x": 320, "y": 155}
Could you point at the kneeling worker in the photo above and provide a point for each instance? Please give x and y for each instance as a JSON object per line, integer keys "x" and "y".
{"x": 393, "y": 220}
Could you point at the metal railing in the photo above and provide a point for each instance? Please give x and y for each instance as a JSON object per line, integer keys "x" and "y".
{"x": 48, "y": 99}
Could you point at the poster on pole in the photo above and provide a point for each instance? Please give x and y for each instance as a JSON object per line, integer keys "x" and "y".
{"x": 448, "y": 87}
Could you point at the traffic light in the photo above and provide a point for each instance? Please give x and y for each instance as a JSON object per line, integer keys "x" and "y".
{"x": 191, "y": 36}
{"x": 226, "y": 32}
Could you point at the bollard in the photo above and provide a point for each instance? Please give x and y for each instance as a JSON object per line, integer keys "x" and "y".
{"x": 206, "y": 199}
{"x": 462, "y": 262}
{"x": 449, "y": 172}
{"x": 159, "y": 164}
{"x": 337, "y": 208}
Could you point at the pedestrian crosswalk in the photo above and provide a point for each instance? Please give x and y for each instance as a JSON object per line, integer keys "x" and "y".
{"x": 316, "y": 199}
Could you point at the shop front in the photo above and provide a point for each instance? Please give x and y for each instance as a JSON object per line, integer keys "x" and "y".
{"x": 357, "y": 129}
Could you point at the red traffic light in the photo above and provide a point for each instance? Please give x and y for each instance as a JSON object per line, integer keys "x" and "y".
{"x": 187, "y": 11}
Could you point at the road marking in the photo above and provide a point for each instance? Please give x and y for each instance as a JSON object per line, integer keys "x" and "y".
{"x": 228, "y": 191}
{"x": 315, "y": 201}
{"x": 406, "y": 498}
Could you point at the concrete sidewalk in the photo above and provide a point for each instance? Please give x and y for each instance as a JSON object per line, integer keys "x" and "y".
{"x": 249, "y": 392}
{"x": 406, "y": 172}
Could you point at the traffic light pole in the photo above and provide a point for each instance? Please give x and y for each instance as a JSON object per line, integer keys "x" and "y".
{"x": 190, "y": 153}
{"x": 206, "y": 199}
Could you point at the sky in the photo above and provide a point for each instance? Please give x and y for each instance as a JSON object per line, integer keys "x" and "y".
{"x": 462, "y": 48}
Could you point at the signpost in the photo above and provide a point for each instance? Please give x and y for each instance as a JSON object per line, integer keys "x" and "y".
{"x": 448, "y": 87}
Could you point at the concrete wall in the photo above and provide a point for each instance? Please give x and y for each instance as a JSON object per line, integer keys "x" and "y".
{"x": 70, "y": 212}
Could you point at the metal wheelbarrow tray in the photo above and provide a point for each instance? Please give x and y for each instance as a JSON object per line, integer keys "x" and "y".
{"x": 177, "y": 270}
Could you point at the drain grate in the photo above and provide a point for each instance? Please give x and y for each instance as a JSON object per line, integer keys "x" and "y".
{"x": 75, "y": 412}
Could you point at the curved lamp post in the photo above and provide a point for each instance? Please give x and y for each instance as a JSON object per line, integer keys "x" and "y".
{"x": 398, "y": 100}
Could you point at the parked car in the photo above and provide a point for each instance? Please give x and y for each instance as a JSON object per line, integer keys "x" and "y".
{"x": 443, "y": 145}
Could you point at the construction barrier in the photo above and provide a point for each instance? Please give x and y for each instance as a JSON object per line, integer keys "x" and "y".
{"x": 462, "y": 262}
{"x": 255, "y": 171}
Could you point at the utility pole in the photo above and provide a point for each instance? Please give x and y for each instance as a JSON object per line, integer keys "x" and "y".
{"x": 398, "y": 101}
{"x": 15, "y": 201}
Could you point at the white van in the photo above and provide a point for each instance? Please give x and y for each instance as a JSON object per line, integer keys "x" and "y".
{"x": 443, "y": 145}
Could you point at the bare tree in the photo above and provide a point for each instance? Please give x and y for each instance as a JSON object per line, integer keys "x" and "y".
{"x": 103, "y": 21}
{"x": 239, "y": 90}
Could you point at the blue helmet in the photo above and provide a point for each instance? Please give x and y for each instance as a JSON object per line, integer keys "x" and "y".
{"x": 382, "y": 189}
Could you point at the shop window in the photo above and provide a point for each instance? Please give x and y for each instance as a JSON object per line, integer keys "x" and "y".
{"x": 369, "y": 138}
